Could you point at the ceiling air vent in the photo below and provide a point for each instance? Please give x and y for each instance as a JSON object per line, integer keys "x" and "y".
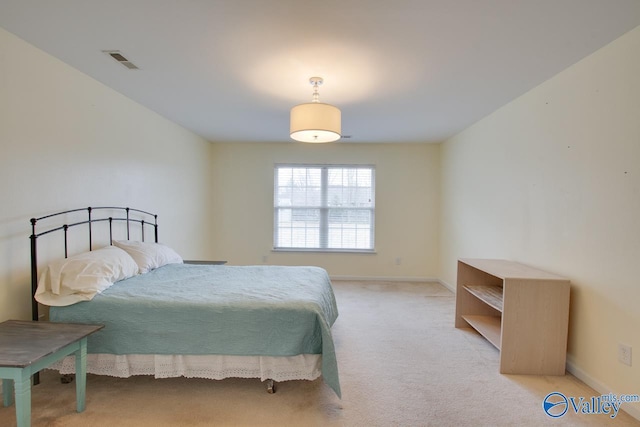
{"x": 115, "y": 54}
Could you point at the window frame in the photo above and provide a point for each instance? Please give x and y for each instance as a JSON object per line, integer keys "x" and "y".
{"x": 324, "y": 208}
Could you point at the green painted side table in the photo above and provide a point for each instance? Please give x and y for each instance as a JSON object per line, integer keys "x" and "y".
{"x": 29, "y": 347}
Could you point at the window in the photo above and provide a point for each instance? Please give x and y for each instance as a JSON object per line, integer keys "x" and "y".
{"x": 326, "y": 208}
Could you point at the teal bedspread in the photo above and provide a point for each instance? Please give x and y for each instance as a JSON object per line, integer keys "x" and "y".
{"x": 215, "y": 309}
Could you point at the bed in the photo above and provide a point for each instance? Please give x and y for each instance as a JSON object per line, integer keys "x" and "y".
{"x": 167, "y": 318}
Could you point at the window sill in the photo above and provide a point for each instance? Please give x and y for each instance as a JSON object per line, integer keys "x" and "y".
{"x": 326, "y": 251}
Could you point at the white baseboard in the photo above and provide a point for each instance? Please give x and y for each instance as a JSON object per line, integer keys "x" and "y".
{"x": 447, "y": 285}
{"x": 396, "y": 279}
{"x": 632, "y": 409}
{"x": 386, "y": 279}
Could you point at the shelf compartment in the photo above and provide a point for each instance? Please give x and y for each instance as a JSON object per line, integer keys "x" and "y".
{"x": 487, "y": 326}
{"x": 491, "y": 295}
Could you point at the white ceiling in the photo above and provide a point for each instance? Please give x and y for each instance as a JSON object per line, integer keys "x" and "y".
{"x": 400, "y": 70}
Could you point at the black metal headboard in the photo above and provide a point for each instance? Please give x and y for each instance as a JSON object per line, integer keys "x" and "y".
{"x": 135, "y": 216}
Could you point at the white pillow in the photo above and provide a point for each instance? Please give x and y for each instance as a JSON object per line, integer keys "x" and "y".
{"x": 149, "y": 255}
{"x": 81, "y": 277}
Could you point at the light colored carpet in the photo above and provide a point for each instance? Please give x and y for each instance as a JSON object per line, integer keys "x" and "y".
{"x": 402, "y": 363}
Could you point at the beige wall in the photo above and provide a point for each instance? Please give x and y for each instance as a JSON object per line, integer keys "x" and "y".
{"x": 553, "y": 180}
{"x": 407, "y": 199}
{"x": 68, "y": 141}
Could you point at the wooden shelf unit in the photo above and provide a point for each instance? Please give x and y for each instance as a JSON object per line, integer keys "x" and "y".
{"x": 522, "y": 311}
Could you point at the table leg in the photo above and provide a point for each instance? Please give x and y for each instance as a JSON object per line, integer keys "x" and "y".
{"x": 23, "y": 398}
{"x": 81, "y": 375}
{"x": 7, "y": 392}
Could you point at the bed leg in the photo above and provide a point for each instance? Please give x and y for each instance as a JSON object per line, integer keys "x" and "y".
{"x": 271, "y": 386}
{"x": 66, "y": 378}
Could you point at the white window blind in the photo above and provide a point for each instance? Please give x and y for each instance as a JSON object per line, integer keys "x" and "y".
{"x": 326, "y": 207}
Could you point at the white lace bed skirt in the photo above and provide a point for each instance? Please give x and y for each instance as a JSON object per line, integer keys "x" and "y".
{"x": 215, "y": 367}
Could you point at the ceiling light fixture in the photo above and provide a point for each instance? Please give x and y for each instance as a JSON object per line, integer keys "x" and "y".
{"x": 315, "y": 121}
